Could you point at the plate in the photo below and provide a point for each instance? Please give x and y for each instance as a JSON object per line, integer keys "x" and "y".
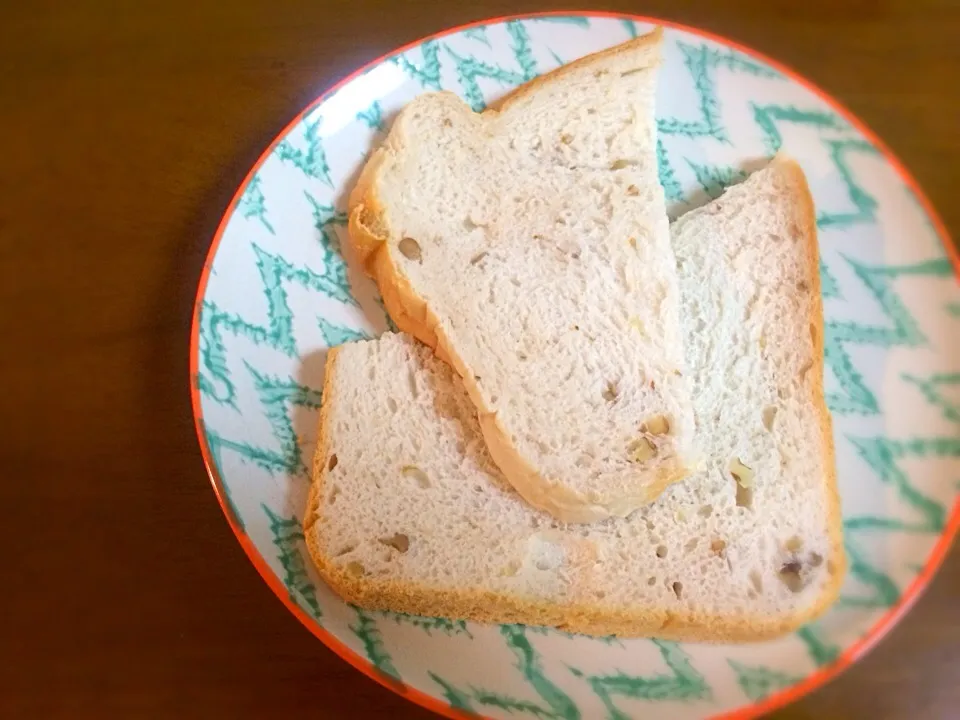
{"x": 276, "y": 293}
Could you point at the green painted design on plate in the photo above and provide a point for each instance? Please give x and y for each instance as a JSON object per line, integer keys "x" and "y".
{"x": 931, "y": 389}
{"x": 767, "y": 117}
{"x": 630, "y": 26}
{"x": 577, "y": 20}
{"x": 864, "y": 203}
{"x": 758, "y": 682}
{"x": 855, "y": 396}
{"x": 668, "y": 178}
{"x": 275, "y": 272}
{"x": 288, "y": 538}
{"x": 277, "y": 397}
{"x": 605, "y": 639}
{"x": 458, "y": 700}
{"x": 717, "y": 178}
{"x": 553, "y": 703}
{"x": 427, "y": 73}
{"x": 828, "y": 283}
{"x": 313, "y": 161}
{"x": 683, "y": 684}
{"x": 335, "y": 335}
{"x": 366, "y": 630}
{"x": 252, "y": 204}
{"x": 822, "y": 652}
{"x": 953, "y": 309}
{"x": 883, "y": 455}
{"x": 373, "y": 117}
{"x": 326, "y": 219}
{"x": 702, "y": 61}
{"x": 430, "y": 625}
{"x": 470, "y": 69}
{"x": 478, "y": 33}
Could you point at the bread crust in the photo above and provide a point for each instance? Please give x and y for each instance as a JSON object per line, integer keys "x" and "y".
{"x": 368, "y": 233}
{"x": 838, "y": 557}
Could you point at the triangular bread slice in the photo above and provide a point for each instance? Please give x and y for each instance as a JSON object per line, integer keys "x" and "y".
{"x": 408, "y": 512}
{"x": 530, "y": 246}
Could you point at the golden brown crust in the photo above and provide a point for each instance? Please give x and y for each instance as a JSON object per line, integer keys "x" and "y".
{"x": 837, "y": 562}
{"x": 590, "y": 619}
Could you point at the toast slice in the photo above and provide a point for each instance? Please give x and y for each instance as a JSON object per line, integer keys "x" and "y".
{"x": 530, "y": 246}
{"x": 409, "y": 512}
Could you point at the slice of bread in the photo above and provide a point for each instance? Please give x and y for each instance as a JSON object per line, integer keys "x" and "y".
{"x": 408, "y": 512}
{"x": 530, "y": 246}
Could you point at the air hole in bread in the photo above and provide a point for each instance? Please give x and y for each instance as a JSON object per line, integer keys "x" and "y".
{"x": 392, "y": 405}
{"x": 803, "y": 286}
{"x": 623, "y": 163}
{"x": 515, "y": 280}
{"x": 345, "y": 550}
{"x": 744, "y": 497}
{"x": 705, "y": 511}
{"x": 633, "y": 191}
{"x": 814, "y": 334}
{"x": 793, "y": 544}
{"x": 412, "y": 380}
{"x": 521, "y": 356}
{"x": 678, "y": 590}
{"x": 718, "y": 547}
{"x": 816, "y": 559}
{"x": 650, "y": 525}
{"x": 332, "y": 495}
{"x": 332, "y": 463}
{"x": 633, "y": 71}
{"x": 769, "y": 414}
{"x": 356, "y": 569}
{"x": 399, "y": 542}
{"x": 599, "y": 594}
{"x": 807, "y": 367}
{"x": 478, "y": 258}
{"x": 447, "y": 122}
{"x": 415, "y": 473}
{"x": 691, "y": 544}
{"x": 591, "y": 111}
{"x": 789, "y": 575}
{"x": 410, "y": 249}
{"x": 756, "y": 581}
{"x": 661, "y": 551}
{"x": 651, "y": 580}
{"x": 469, "y": 224}
{"x": 566, "y": 138}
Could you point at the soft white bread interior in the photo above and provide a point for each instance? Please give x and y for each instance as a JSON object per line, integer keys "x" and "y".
{"x": 530, "y": 246}
{"x": 408, "y": 512}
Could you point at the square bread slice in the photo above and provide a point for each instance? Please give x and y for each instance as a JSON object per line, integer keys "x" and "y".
{"x": 530, "y": 246}
{"x": 408, "y": 511}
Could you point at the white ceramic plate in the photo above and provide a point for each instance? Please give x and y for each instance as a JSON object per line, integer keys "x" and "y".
{"x": 276, "y": 293}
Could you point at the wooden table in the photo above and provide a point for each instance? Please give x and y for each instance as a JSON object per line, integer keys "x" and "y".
{"x": 126, "y": 127}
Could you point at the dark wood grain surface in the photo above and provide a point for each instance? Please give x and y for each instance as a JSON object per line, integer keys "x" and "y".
{"x": 125, "y": 128}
